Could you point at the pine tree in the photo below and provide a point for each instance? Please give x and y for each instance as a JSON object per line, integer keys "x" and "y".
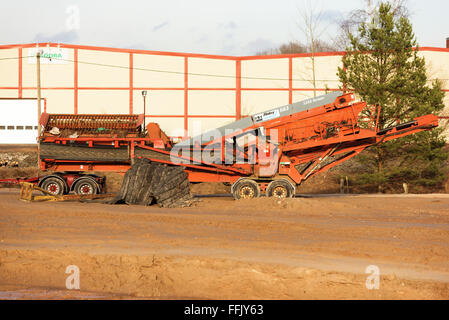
{"x": 382, "y": 66}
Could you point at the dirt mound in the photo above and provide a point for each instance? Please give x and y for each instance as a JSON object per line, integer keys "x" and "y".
{"x": 193, "y": 277}
{"x": 147, "y": 182}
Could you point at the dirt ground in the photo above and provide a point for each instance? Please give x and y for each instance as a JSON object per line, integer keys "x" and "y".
{"x": 310, "y": 247}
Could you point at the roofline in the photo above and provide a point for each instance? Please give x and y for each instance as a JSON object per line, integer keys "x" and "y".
{"x": 191, "y": 55}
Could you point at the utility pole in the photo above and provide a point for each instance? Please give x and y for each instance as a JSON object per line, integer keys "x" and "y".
{"x": 38, "y": 73}
{"x": 144, "y": 95}
{"x": 38, "y": 86}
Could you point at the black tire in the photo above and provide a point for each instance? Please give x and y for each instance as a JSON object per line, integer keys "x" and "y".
{"x": 85, "y": 186}
{"x": 147, "y": 182}
{"x": 54, "y": 185}
{"x": 246, "y": 189}
{"x": 280, "y": 189}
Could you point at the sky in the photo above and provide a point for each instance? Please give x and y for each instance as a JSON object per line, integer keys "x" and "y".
{"x": 231, "y": 27}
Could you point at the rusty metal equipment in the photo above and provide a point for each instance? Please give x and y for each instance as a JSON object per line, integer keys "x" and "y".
{"x": 269, "y": 153}
{"x": 92, "y": 124}
{"x": 295, "y": 142}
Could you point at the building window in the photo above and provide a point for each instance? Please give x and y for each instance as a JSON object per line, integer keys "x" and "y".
{"x": 10, "y": 127}
{"x": 29, "y": 128}
{"x": 2, "y": 127}
{"x": 19, "y": 127}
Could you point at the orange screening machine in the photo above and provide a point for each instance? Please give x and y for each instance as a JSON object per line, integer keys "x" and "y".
{"x": 272, "y": 152}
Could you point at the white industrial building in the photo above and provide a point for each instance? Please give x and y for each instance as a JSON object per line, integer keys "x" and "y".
{"x": 185, "y": 91}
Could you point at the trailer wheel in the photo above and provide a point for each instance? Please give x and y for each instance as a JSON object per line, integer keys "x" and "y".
{"x": 85, "y": 187}
{"x": 54, "y": 186}
{"x": 281, "y": 189}
{"x": 246, "y": 189}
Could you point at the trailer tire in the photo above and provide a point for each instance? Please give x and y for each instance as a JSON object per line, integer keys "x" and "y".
{"x": 245, "y": 189}
{"x": 54, "y": 185}
{"x": 85, "y": 186}
{"x": 281, "y": 189}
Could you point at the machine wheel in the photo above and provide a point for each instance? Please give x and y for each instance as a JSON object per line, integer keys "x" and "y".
{"x": 54, "y": 186}
{"x": 281, "y": 189}
{"x": 246, "y": 189}
{"x": 85, "y": 186}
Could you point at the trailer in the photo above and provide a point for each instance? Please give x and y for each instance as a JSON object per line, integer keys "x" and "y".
{"x": 269, "y": 153}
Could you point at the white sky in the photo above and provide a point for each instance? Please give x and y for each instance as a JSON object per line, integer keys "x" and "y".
{"x": 230, "y": 27}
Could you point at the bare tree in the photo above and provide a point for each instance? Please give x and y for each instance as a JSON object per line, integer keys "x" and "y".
{"x": 287, "y": 48}
{"x": 292, "y": 47}
{"x": 311, "y": 24}
{"x": 313, "y": 29}
{"x": 297, "y": 47}
{"x": 349, "y": 24}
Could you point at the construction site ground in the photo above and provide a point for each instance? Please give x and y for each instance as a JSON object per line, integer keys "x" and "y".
{"x": 309, "y": 247}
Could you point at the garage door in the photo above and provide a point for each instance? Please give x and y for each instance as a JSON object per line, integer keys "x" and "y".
{"x": 18, "y": 121}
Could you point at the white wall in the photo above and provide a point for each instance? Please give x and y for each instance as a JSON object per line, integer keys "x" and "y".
{"x": 18, "y": 123}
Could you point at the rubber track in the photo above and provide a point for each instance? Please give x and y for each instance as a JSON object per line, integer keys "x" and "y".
{"x": 148, "y": 182}
{"x": 84, "y": 153}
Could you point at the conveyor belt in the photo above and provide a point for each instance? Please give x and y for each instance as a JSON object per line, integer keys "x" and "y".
{"x": 247, "y": 122}
{"x": 99, "y": 153}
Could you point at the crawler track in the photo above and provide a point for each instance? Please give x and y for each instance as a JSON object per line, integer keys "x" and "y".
{"x": 84, "y": 153}
{"x": 147, "y": 182}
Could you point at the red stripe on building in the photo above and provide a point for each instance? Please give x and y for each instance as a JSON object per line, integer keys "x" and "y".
{"x": 75, "y": 81}
{"x": 120, "y": 50}
{"x": 186, "y": 96}
{"x": 317, "y": 89}
{"x": 238, "y": 90}
{"x": 265, "y": 89}
{"x": 48, "y": 88}
{"x": 20, "y": 73}
{"x": 290, "y": 80}
{"x": 178, "y": 89}
{"x": 131, "y": 84}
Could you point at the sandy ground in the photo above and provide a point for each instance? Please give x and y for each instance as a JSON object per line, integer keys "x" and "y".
{"x": 314, "y": 247}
